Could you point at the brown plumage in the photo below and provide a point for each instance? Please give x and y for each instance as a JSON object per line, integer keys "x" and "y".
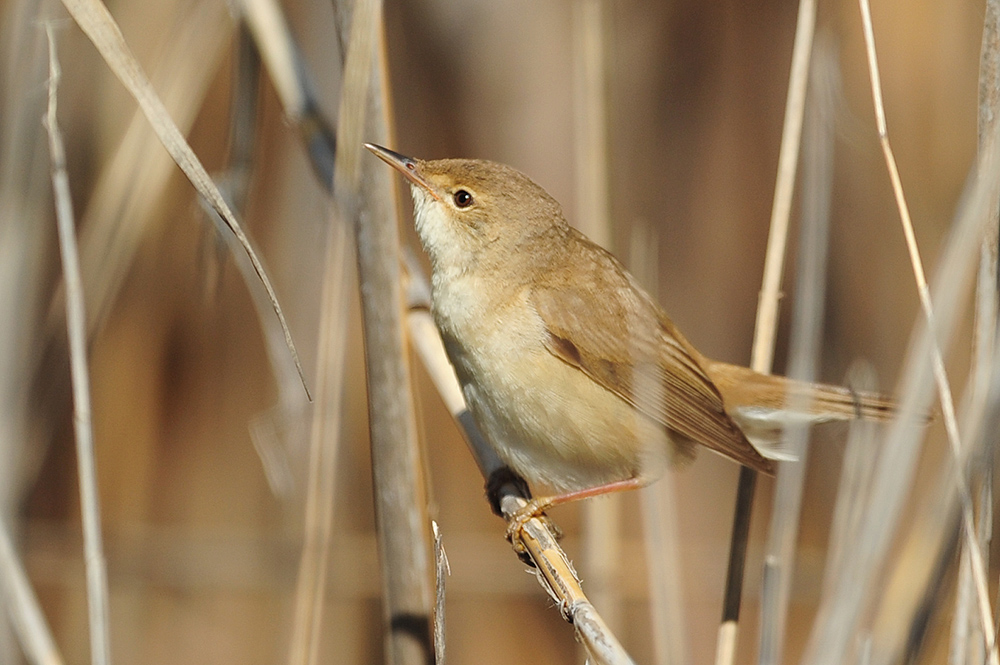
{"x": 573, "y": 373}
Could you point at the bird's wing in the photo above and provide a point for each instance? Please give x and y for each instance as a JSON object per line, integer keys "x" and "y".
{"x": 638, "y": 354}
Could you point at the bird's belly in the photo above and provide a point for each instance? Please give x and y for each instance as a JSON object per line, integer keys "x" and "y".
{"x": 549, "y": 421}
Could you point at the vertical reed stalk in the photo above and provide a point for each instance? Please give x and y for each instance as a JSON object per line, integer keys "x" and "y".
{"x": 76, "y": 324}
{"x": 601, "y": 519}
{"x": 805, "y": 344}
{"x": 364, "y": 192}
{"x": 765, "y": 329}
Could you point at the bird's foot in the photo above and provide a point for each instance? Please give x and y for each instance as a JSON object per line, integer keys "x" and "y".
{"x": 532, "y": 509}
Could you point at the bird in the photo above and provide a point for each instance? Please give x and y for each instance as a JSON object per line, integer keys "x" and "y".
{"x": 574, "y": 374}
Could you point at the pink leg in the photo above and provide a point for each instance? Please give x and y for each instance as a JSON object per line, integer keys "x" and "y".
{"x": 536, "y": 507}
{"x": 600, "y": 490}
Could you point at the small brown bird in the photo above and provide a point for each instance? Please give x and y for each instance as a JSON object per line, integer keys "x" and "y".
{"x": 573, "y": 373}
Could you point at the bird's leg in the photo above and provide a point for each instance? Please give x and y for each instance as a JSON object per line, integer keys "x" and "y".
{"x": 536, "y": 507}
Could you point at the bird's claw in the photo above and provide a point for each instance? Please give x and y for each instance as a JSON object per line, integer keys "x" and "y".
{"x": 532, "y": 509}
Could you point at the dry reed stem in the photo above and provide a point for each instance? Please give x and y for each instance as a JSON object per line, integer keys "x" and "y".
{"x": 287, "y": 70}
{"x": 853, "y": 489}
{"x": 266, "y": 429}
{"x": 835, "y": 630}
{"x": 658, "y": 503}
{"x": 274, "y": 41}
{"x": 441, "y": 571}
{"x": 601, "y": 527}
{"x": 426, "y": 340}
{"x": 556, "y": 575}
{"x": 765, "y": 328}
{"x": 310, "y": 591}
{"x": 364, "y": 193}
{"x": 661, "y": 540}
{"x": 98, "y": 24}
{"x": 23, "y": 608}
{"x": 76, "y": 325}
{"x": 805, "y": 343}
{"x": 940, "y": 374}
{"x": 281, "y": 56}
{"x": 967, "y": 639}
{"x": 917, "y": 588}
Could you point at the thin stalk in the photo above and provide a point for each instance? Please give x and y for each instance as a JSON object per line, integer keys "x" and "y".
{"x": 967, "y": 640}
{"x": 23, "y": 607}
{"x": 805, "y": 343}
{"x": 76, "y": 325}
{"x": 765, "y": 329}
{"x": 978, "y": 567}
{"x": 441, "y": 571}
{"x": 324, "y": 444}
{"x": 664, "y": 566}
{"x": 287, "y": 70}
{"x": 836, "y": 628}
{"x": 601, "y": 519}
{"x": 659, "y": 505}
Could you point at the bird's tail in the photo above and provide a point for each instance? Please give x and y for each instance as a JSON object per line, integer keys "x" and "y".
{"x": 746, "y": 390}
{"x": 762, "y": 404}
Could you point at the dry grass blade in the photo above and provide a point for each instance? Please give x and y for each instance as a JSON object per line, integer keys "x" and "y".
{"x": 323, "y": 447}
{"x": 23, "y": 607}
{"x": 120, "y": 210}
{"x": 95, "y": 20}
{"x": 940, "y": 375}
{"x": 76, "y": 324}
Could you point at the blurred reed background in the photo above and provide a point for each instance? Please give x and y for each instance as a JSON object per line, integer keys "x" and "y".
{"x": 203, "y": 523}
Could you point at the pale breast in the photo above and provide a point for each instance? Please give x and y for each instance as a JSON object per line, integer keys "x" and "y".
{"x": 547, "y": 420}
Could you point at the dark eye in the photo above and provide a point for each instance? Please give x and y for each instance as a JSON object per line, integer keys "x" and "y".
{"x": 463, "y": 199}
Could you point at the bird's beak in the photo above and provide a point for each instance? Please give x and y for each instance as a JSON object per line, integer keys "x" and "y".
{"x": 405, "y": 165}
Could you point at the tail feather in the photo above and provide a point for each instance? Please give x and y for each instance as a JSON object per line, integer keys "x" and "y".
{"x": 778, "y": 399}
{"x": 762, "y": 405}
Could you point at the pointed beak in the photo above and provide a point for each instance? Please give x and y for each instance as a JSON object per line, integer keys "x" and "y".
{"x": 405, "y": 165}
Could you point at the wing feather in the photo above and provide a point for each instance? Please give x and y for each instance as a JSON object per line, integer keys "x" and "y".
{"x": 639, "y": 354}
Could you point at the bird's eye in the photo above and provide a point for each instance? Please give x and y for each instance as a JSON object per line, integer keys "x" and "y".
{"x": 463, "y": 199}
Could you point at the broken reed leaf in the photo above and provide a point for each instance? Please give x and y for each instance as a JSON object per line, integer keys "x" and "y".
{"x": 100, "y": 27}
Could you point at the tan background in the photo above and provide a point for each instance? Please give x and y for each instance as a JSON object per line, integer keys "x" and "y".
{"x": 202, "y": 555}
